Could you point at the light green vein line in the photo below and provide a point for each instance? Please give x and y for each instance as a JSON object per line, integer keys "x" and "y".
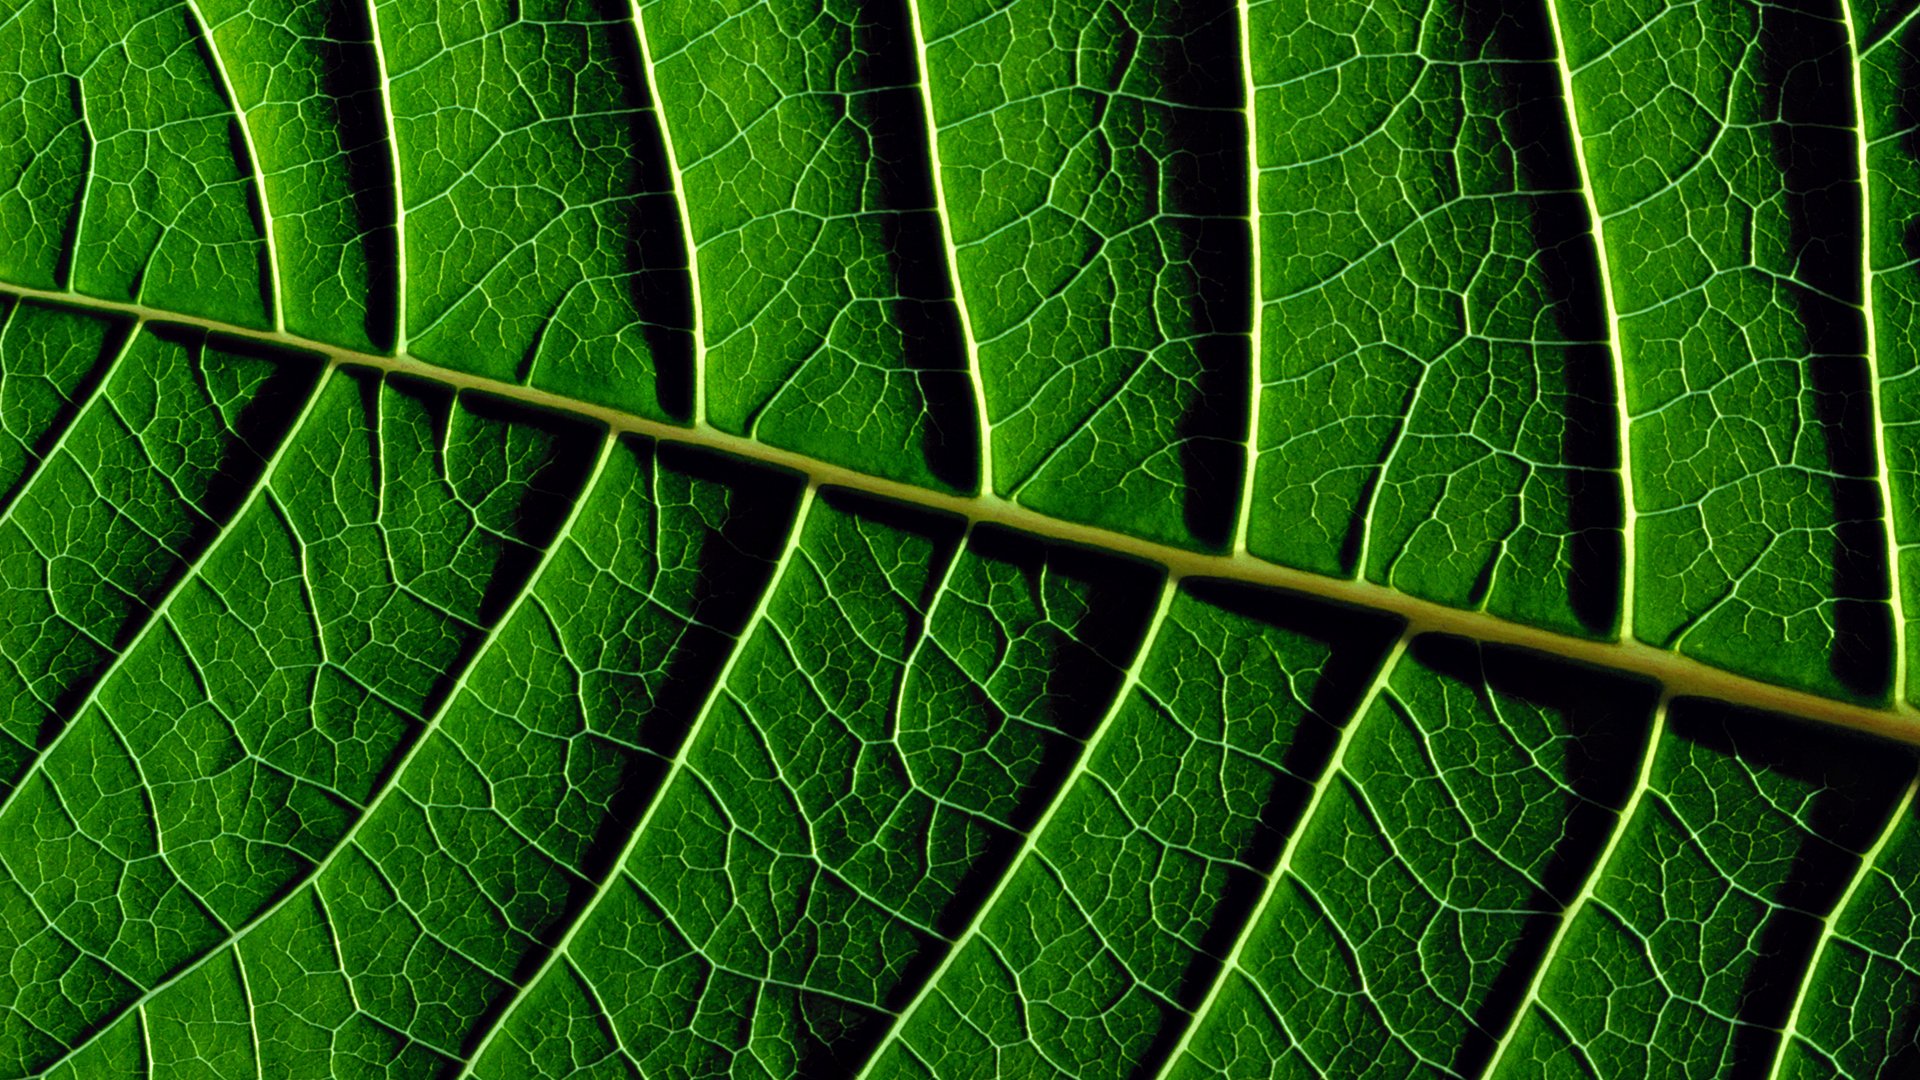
{"x": 253, "y": 1023}
{"x": 60, "y": 441}
{"x": 926, "y": 635}
{"x": 1255, "y": 374}
{"x": 1622, "y": 419}
{"x": 399, "y": 186}
{"x": 617, "y": 867}
{"x": 1401, "y": 436}
{"x": 259, "y": 918}
{"x": 1683, "y": 675}
{"x": 1830, "y": 921}
{"x": 1284, "y": 866}
{"x": 1642, "y": 782}
{"x": 145, "y": 1027}
{"x": 90, "y": 150}
{"x": 1893, "y": 31}
{"x": 974, "y": 378}
{"x": 191, "y": 574}
{"x": 683, "y": 211}
{"x": 1884, "y": 478}
{"x": 1032, "y": 839}
{"x": 254, "y": 165}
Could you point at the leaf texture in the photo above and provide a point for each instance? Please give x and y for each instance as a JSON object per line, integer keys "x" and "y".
{"x": 1023, "y": 538}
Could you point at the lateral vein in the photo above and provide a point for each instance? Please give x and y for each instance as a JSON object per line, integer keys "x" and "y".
{"x": 616, "y": 868}
{"x": 191, "y": 575}
{"x": 1284, "y": 864}
{"x": 1255, "y": 374}
{"x": 1029, "y": 844}
{"x": 1829, "y": 923}
{"x": 254, "y": 165}
{"x": 1642, "y": 782}
{"x": 392, "y": 129}
{"x": 1883, "y": 479}
{"x": 685, "y": 214}
{"x": 974, "y": 378}
{"x": 97, "y": 393}
{"x": 1622, "y": 416}
{"x": 393, "y": 776}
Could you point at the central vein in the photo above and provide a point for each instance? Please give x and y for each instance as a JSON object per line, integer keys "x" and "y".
{"x": 1682, "y": 675}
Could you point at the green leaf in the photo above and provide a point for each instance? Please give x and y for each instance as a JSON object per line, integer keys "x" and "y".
{"x": 1022, "y": 538}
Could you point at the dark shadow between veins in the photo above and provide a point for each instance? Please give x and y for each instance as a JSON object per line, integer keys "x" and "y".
{"x": 660, "y": 284}
{"x": 733, "y": 570}
{"x": 1807, "y": 84}
{"x": 1358, "y": 642}
{"x": 892, "y": 120}
{"x": 258, "y": 427}
{"x": 1203, "y": 202}
{"x": 1603, "y": 720}
{"x": 1536, "y": 129}
{"x": 350, "y": 86}
{"x": 1855, "y": 780}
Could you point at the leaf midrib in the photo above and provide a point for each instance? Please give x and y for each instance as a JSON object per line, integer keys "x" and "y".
{"x": 1682, "y": 676}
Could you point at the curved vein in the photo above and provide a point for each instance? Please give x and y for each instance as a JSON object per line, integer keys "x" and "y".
{"x": 97, "y": 393}
{"x": 683, "y": 214}
{"x": 1284, "y": 865}
{"x": 392, "y": 779}
{"x": 159, "y": 612}
{"x": 616, "y": 869}
{"x": 974, "y": 378}
{"x": 1029, "y": 842}
{"x": 255, "y": 167}
{"x": 1643, "y": 781}
{"x": 1883, "y": 479}
{"x": 390, "y": 126}
{"x": 1622, "y": 418}
{"x": 1829, "y": 923}
{"x": 1255, "y": 373}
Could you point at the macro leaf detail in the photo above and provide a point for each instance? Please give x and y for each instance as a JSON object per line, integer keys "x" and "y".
{"x": 999, "y": 538}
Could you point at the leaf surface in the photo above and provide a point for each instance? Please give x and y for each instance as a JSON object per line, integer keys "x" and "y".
{"x": 800, "y": 538}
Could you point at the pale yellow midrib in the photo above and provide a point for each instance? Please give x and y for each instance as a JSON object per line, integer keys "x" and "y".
{"x": 1682, "y": 676}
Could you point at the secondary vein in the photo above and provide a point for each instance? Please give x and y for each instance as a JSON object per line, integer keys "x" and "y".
{"x": 1643, "y": 780}
{"x": 1254, "y": 373}
{"x": 974, "y": 378}
{"x": 391, "y": 127}
{"x": 617, "y": 867}
{"x": 685, "y": 214}
{"x": 1829, "y": 923}
{"x": 1883, "y": 480}
{"x": 257, "y": 171}
{"x": 1028, "y": 843}
{"x": 1622, "y": 417}
{"x": 393, "y": 776}
{"x": 1284, "y": 865}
